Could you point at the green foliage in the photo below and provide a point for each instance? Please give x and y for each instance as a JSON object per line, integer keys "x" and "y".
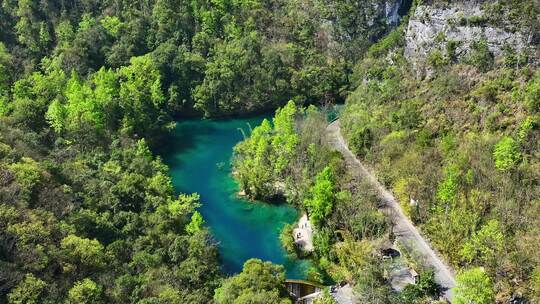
{"x": 85, "y": 292}
{"x": 196, "y": 223}
{"x": 506, "y": 154}
{"x": 5, "y": 79}
{"x": 27, "y": 174}
{"x": 285, "y": 139}
{"x": 252, "y": 162}
{"x": 84, "y": 253}
{"x": 425, "y": 288}
{"x": 263, "y": 158}
{"x": 535, "y": 284}
{"x": 437, "y": 59}
{"x": 141, "y": 96}
{"x": 82, "y": 107}
{"x": 526, "y": 128}
{"x": 485, "y": 245}
{"x": 56, "y": 116}
{"x": 28, "y": 291}
{"x": 448, "y": 188}
{"x": 112, "y": 24}
{"x": 474, "y": 286}
{"x": 361, "y": 136}
{"x": 532, "y": 93}
{"x": 433, "y": 138}
{"x": 321, "y": 197}
{"x": 480, "y": 56}
{"x": 354, "y": 258}
{"x": 287, "y": 240}
{"x": 325, "y": 298}
{"x": 259, "y": 282}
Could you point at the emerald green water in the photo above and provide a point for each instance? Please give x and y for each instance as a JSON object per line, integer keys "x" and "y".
{"x": 199, "y": 160}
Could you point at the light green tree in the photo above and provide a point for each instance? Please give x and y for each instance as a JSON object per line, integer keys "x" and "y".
{"x": 321, "y": 196}
{"x": 56, "y": 116}
{"x": 85, "y": 292}
{"x": 112, "y": 24}
{"x": 82, "y": 107}
{"x": 5, "y": 62}
{"x": 259, "y": 282}
{"x": 28, "y": 174}
{"x": 285, "y": 139}
{"x": 484, "y": 245}
{"x": 85, "y": 254}
{"x": 506, "y": 153}
{"x": 448, "y": 188}
{"x": 253, "y": 161}
{"x": 532, "y": 93}
{"x": 196, "y": 223}
{"x": 28, "y": 291}
{"x": 474, "y": 286}
{"x": 141, "y": 98}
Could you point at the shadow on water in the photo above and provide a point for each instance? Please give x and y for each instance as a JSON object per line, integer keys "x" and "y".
{"x": 182, "y": 139}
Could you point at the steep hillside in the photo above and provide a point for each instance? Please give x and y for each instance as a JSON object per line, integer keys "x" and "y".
{"x": 87, "y": 213}
{"x": 447, "y": 112}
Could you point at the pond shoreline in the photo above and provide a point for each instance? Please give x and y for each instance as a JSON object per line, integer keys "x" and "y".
{"x": 243, "y": 229}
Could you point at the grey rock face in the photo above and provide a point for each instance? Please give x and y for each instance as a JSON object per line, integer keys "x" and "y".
{"x": 431, "y": 27}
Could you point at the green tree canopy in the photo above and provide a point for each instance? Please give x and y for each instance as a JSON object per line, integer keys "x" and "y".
{"x": 141, "y": 96}
{"x": 85, "y": 292}
{"x": 28, "y": 291}
{"x": 321, "y": 196}
{"x": 196, "y": 223}
{"x": 506, "y": 153}
{"x": 85, "y": 254}
{"x": 485, "y": 245}
{"x": 259, "y": 282}
{"x": 473, "y": 286}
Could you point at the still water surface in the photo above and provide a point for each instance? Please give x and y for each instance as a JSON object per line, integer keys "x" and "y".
{"x": 199, "y": 160}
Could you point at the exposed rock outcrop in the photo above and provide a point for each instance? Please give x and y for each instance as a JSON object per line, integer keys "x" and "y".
{"x": 434, "y": 25}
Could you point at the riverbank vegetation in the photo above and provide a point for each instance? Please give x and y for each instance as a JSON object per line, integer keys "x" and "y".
{"x": 88, "y": 214}
{"x": 349, "y": 229}
{"x": 259, "y": 282}
{"x": 459, "y": 148}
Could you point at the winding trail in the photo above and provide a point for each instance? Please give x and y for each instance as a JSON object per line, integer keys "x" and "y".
{"x": 406, "y": 233}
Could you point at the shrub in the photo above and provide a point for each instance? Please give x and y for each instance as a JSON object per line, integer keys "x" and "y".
{"x": 474, "y": 286}
{"x": 436, "y": 59}
{"x": 480, "y": 56}
{"x": 506, "y": 153}
{"x": 532, "y": 94}
{"x": 287, "y": 240}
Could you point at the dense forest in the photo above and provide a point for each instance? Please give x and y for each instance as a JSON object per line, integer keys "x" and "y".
{"x": 455, "y": 137}
{"x": 88, "y": 89}
{"x": 88, "y": 213}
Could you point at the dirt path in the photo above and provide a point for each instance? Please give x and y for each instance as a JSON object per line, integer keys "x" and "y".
{"x": 405, "y": 231}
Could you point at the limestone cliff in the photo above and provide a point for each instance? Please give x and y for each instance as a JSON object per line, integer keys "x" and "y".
{"x": 438, "y": 26}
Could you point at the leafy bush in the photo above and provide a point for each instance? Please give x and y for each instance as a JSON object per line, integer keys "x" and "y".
{"x": 480, "y": 56}
{"x": 287, "y": 239}
{"x": 506, "y": 153}
{"x": 532, "y": 94}
{"x": 474, "y": 286}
